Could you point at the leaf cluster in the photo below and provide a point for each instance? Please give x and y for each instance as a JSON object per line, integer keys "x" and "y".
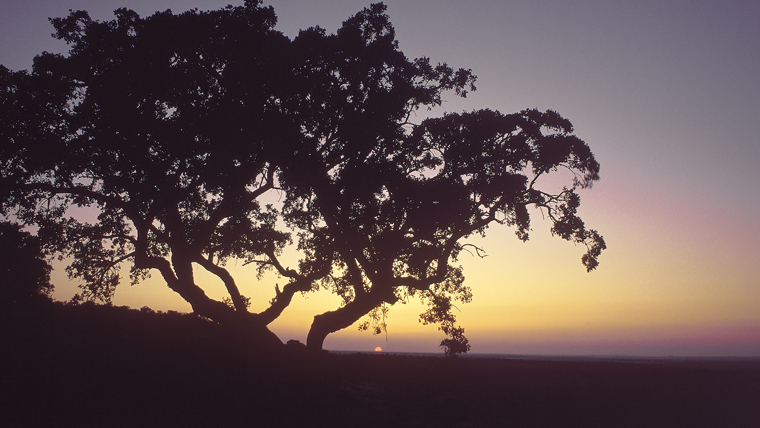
{"x": 24, "y": 272}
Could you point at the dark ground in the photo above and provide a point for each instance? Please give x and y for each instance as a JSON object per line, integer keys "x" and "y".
{"x": 100, "y": 366}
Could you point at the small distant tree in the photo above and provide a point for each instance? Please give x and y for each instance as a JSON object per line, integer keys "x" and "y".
{"x": 24, "y": 272}
{"x": 194, "y": 138}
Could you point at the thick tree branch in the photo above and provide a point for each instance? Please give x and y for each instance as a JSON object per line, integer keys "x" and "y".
{"x": 332, "y": 321}
{"x": 284, "y": 297}
{"x": 229, "y": 282}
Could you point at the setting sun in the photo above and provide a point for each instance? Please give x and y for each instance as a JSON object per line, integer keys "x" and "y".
{"x": 378, "y": 349}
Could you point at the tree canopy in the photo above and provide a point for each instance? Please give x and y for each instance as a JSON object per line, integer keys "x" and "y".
{"x": 24, "y": 273}
{"x": 174, "y": 130}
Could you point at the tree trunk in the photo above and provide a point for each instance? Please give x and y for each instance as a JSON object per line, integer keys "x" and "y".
{"x": 251, "y": 330}
{"x": 332, "y": 321}
{"x": 244, "y": 325}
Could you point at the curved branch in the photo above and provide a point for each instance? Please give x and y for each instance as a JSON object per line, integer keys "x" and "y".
{"x": 229, "y": 282}
{"x": 332, "y": 321}
{"x": 478, "y": 251}
{"x": 283, "y": 299}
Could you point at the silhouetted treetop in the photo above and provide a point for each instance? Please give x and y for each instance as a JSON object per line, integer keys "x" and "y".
{"x": 181, "y": 140}
{"x": 24, "y": 273}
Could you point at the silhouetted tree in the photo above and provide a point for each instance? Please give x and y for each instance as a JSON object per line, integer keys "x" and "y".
{"x": 175, "y": 128}
{"x": 390, "y": 201}
{"x": 161, "y": 125}
{"x": 24, "y": 273}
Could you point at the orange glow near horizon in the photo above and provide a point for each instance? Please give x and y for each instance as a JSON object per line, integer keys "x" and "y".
{"x": 648, "y": 297}
{"x": 666, "y": 285}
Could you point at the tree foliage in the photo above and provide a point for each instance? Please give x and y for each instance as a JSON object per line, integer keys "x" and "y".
{"x": 175, "y": 129}
{"x": 24, "y": 273}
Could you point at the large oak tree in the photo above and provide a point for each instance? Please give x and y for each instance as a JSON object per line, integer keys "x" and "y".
{"x": 175, "y": 129}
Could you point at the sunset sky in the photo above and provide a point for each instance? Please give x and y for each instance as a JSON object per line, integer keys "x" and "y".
{"x": 666, "y": 94}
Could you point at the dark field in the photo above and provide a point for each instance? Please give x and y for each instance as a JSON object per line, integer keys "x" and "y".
{"x": 100, "y": 366}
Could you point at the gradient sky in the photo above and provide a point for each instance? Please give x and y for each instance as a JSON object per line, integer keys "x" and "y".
{"x": 666, "y": 93}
